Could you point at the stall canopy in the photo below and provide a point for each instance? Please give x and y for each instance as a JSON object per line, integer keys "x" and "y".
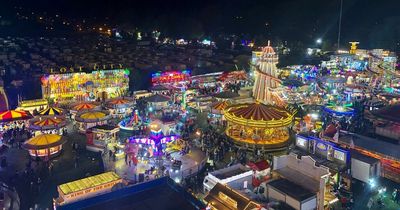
{"x": 44, "y": 141}
{"x": 92, "y": 116}
{"x": 84, "y": 106}
{"x": 13, "y": 115}
{"x": 51, "y": 111}
{"x": 47, "y": 123}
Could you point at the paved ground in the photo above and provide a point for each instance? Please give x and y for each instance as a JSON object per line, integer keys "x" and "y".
{"x": 362, "y": 194}
{"x": 64, "y": 170}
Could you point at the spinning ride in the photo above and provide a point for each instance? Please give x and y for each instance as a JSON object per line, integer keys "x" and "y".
{"x": 258, "y": 125}
{"x": 132, "y": 122}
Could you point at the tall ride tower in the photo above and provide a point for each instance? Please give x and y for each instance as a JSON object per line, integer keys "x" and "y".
{"x": 266, "y": 82}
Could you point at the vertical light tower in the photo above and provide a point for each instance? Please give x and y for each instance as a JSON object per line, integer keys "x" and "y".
{"x": 266, "y": 77}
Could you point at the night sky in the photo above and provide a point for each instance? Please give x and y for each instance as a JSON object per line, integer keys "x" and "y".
{"x": 373, "y": 23}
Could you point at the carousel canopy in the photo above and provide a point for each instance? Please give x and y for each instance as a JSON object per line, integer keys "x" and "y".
{"x": 219, "y": 105}
{"x": 390, "y": 113}
{"x": 120, "y": 103}
{"x": 13, "y": 115}
{"x": 47, "y": 123}
{"x": 91, "y": 116}
{"x": 44, "y": 141}
{"x": 84, "y": 106}
{"x": 226, "y": 95}
{"x": 157, "y": 98}
{"x": 258, "y": 115}
{"x": 51, "y": 111}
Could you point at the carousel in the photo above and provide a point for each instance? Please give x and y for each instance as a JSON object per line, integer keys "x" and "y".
{"x": 51, "y": 111}
{"x": 131, "y": 123}
{"x": 120, "y": 107}
{"x": 49, "y": 124}
{"x": 89, "y": 119}
{"x": 13, "y": 115}
{"x": 258, "y": 126}
{"x": 85, "y": 106}
{"x": 45, "y": 145}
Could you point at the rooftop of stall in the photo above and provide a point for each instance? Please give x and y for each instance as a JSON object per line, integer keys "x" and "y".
{"x": 223, "y": 197}
{"x": 293, "y": 190}
{"x": 162, "y": 193}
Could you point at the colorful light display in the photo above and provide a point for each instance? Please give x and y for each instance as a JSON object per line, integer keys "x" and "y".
{"x": 169, "y": 77}
{"x": 86, "y": 86}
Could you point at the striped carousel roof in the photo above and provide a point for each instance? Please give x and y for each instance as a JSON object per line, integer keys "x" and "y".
{"x": 219, "y": 105}
{"x": 49, "y": 121}
{"x": 84, "y": 106}
{"x": 13, "y": 115}
{"x": 92, "y": 116}
{"x": 44, "y": 141}
{"x": 51, "y": 111}
{"x": 259, "y": 112}
{"x": 119, "y": 101}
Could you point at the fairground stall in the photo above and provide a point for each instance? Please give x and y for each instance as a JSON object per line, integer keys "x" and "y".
{"x": 44, "y": 145}
{"x": 216, "y": 113}
{"x": 171, "y": 78}
{"x": 101, "y": 137}
{"x": 12, "y": 119}
{"x": 81, "y": 86}
{"x": 200, "y": 103}
{"x": 158, "y": 102}
{"x": 48, "y": 124}
{"x": 258, "y": 126}
{"x": 87, "y": 187}
{"x": 354, "y": 92}
{"x": 32, "y": 105}
{"x": 161, "y": 89}
{"x": 89, "y": 119}
{"x": 120, "y": 107}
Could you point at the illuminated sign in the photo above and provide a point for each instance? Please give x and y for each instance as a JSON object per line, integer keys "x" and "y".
{"x": 301, "y": 142}
{"x": 170, "y": 76}
{"x": 321, "y": 146}
{"x": 339, "y": 155}
{"x": 95, "y": 67}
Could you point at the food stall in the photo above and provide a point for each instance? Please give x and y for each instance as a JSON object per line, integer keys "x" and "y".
{"x": 45, "y": 145}
{"x": 101, "y": 136}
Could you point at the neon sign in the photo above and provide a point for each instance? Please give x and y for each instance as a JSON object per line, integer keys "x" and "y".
{"x": 170, "y": 76}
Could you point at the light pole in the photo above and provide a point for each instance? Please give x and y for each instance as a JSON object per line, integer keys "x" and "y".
{"x": 340, "y": 24}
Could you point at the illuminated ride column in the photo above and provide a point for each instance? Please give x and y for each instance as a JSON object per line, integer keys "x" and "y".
{"x": 266, "y": 84}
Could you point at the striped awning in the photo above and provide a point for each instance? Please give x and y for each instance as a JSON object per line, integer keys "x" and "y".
{"x": 47, "y": 123}
{"x": 44, "y": 141}
{"x": 13, "y": 115}
{"x": 51, "y": 111}
{"x": 84, "y": 106}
